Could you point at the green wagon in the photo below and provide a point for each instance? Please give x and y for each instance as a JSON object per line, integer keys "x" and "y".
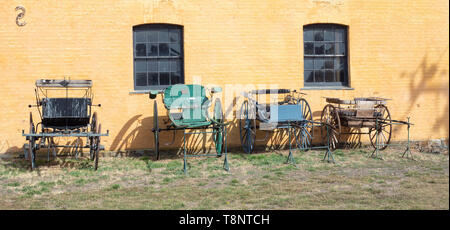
{"x": 187, "y": 108}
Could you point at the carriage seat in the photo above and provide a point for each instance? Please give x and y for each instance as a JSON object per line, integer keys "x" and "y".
{"x": 66, "y": 112}
{"x": 285, "y": 113}
{"x": 190, "y": 99}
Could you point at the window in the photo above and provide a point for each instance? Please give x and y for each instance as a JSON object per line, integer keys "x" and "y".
{"x": 325, "y": 55}
{"x": 158, "y": 56}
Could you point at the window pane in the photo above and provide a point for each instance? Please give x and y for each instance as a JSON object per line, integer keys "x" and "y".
{"x": 140, "y": 36}
{"x": 309, "y": 48}
{"x": 153, "y": 49}
{"x": 309, "y": 76}
{"x": 175, "y": 49}
{"x": 318, "y": 48}
{"x": 339, "y": 63}
{"x": 340, "y": 35}
{"x": 140, "y": 50}
{"x": 164, "y": 79}
{"x": 152, "y": 66}
{"x": 340, "y": 76}
{"x": 152, "y": 36}
{"x": 318, "y": 76}
{"x": 309, "y": 63}
{"x": 319, "y": 63}
{"x": 329, "y": 34}
{"x": 175, "y": 78}
{"x": 175, "y": 66}
{"x": 141, "y": 79}
{"x": 329, "y": 63}
{"x": 318, "y": 35}
{"x": 153, "y": 78}
{"x": 308, "y": 35}
{"x": 340, "y": 48}
{"x": 163, "y": 35}
{"x": 329, "y": 75}
{"x": 163, "y": 66}
{"x": 329, "y": 48}
{"x": 141, "y": 66}
{"x": 174, "y": 35}
{"x": 163, "y": 49}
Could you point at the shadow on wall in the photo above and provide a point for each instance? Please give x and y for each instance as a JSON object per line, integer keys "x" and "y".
{"x": 420, "y": 84}
{"x": 137, "y": 134}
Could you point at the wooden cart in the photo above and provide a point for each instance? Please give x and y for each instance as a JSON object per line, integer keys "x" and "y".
{"x": 371, "y": 113}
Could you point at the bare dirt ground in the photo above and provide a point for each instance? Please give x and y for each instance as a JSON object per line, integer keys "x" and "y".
{"x": 256, "y": 181}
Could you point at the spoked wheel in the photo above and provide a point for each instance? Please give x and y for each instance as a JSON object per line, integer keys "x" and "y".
{"x": 304, "y": 131}
{"x": 156, "y": 129}
{"x": 383, "y": 131}
{"x": 247, "y": 127}
{"x": 330, "y": 117}
{"x": 32, "y": 144}
{"x": 92, "y": 139}
{"x": 218, "y": 134}
{"x": 97, "y": 146}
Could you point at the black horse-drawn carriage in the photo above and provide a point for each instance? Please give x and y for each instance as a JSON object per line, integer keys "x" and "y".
{"x": 63, "y": 117}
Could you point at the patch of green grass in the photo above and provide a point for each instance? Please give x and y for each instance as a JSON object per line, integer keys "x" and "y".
{"x": 80, "y": 182}
{"x": 234, "y": 182}
{"x": 155, "y": 165}
{"x": 115, "y": 186}
{"x": 44, "y": 184}
{"x": 31, "y": 191}
{"x": 13, "y": 184}
{"x": 338, "y": 152}
{"x": 167, "y": 180}
{"x": 266, "y": 159}
{"x": 213, "y": 168}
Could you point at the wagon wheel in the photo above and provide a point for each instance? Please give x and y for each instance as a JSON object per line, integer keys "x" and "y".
{"x": 304, "y": 133}
{"x": 218, "y": 134}
{"x": 92, "y": 139}
{"x": 156, "y": 129}
{"x": 97, "y": 146}
{"x": 247, "y": 127}
{"x": 32, "y": 144}
{"x": 330, "y": 117}
{"x": 383, "y": 131}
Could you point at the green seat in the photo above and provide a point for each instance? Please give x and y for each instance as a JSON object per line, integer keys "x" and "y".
{"x": 190, "y": 99}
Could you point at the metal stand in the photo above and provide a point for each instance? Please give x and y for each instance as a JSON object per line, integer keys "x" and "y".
{"x": 376, "y": 153}
{"x": 305, "y": 145}
{"x": 407, "y": 151}
{"x": 290, "y": 159}
{"x": 328, "y": 153}
{"x": 185, "y": 155}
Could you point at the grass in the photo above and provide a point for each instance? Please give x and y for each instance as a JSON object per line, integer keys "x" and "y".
{"x": 257, "y": 181}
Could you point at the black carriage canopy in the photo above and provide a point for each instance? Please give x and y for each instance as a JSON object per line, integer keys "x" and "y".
{"x": 65, "y": 112}
{"x": 53, "y": 83}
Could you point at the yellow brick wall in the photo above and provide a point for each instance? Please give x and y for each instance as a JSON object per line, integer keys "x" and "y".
{"x": 397, "y": 49}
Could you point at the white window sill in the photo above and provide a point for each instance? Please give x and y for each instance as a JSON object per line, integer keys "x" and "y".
{"x": 327, "y": 88}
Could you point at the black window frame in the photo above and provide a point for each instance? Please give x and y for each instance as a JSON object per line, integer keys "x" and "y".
{"x": 169, "y": 59}
{"x": 337, "y": 62}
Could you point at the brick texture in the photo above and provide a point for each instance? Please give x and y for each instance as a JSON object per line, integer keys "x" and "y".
{"x": 397, "y": 49}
